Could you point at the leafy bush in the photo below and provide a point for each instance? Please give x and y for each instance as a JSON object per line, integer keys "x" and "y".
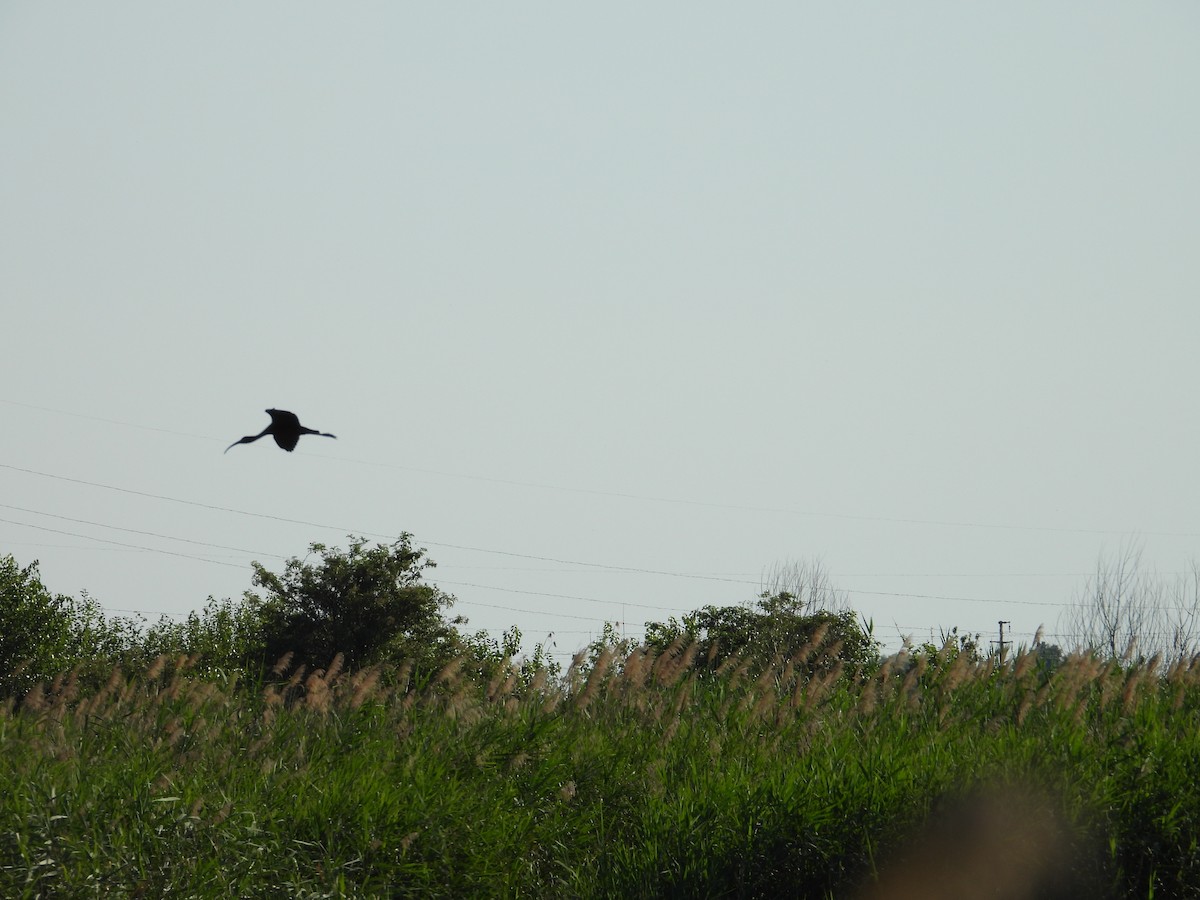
{"x": 35, "y": 627}
{"x": 368, "y": 604}
{"x": 488, "y": 659}
{"x": 772, "y": 630}
{"x": 43, "y": 634}
{"x": 224, "y": 635}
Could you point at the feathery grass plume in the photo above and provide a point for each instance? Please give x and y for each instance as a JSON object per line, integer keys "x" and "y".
{"x": 316, "y": 692}
{"x": 511, "y": 684}
{"x": 812, "y": 645}
{"x": 65, "y": 693}
{"x": 799, "y": 692}
{"x": 660, "y": 669}
{"x": 283, "y": 663}
{"x": 730, "y": 663}
{"x": 1024, "y": 708}
{"x": 407, "y": 841}
{"x": 764, "y": 684}
{"x": 833, "y": 651}
{"x": 1129, "y": 695}
{"x": 259, "y": 743}
{"x": 635, "y": 668}
{"x": 574, "y": 676}
{"x": 272, "y": 698}
{"x": 885, "y": 677}
{"x": 1024, "y": 664}
{"x": 403, "y": 677}
{"x": 668, "y": 734}
{"x": 1110, "y": 678}
{"x": 35, "y": 698}
{"x": 740, "y": 667}
{"x": 1193, "y": 668}
{"x": 157, "y": 666}
{"x": 536, "y": 685}
{"x": 294, "y": 680}
{"x": 686, "y": 661}
{"x": 786, "y": 676}
{"x": 595, "y": 678}
{"x": 363, "y": 686}
{"x": 912, "y": 681}
{"x": 713, "y": 649}
{"x": 821, "y": 688}
{"x": 183, "y": 663}
{"x": 868, "y": 696}
{"x": 502, "y": 674}
{"x": 1181, "y": 678}
{"x": 767, "y": 701}
{"x": 958, "y": 672}
{"x": 288, "y": 690}
{"x": 335, "y": 668}
{"x": 174, "y": 731}
{"x": 116, "y": 680}
{"x": 447, "y": 675}
{"x": 1070, "y": 678}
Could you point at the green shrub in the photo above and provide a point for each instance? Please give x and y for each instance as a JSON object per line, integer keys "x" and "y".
{"x": 43, "y": 634}
{"x": 368, "y": 604}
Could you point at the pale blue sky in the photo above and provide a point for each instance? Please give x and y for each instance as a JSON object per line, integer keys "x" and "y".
{"x": 820, "y": 275}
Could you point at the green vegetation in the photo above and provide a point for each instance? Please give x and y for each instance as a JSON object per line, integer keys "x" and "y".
{"x": 700, "y": 764}
{"x": 647, "y": 778}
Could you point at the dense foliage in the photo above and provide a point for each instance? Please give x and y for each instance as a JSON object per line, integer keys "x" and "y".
{"x": 367, "y": 603}
{"x": 774, "y": 630}
{"x": 42, "y": 634}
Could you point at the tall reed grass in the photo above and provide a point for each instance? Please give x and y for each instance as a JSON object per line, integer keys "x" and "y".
{"x": 636, "y": 776}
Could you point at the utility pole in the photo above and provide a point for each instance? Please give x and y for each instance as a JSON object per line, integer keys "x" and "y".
{"x": 1002, "y": 642}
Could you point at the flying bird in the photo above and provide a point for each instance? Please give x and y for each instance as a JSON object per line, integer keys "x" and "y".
{"x": 284, "y": 427}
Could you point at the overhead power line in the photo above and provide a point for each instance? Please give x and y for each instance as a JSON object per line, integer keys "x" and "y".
{"x": 898, "y": 520}
{"x": 215, "y": 562}
{"x": 492, "y": 587}
{"x": 507, "y": 553}
{"x": 166, "y": 537}
{"x": 63, "y": 412}
{"x": 512, "y": 554}
{"x": 290, "y": 521}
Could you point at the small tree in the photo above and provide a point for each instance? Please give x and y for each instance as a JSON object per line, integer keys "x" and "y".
{"x": 1124, "y": 609}
{"x": 803, "y": 587}
{"x": 1112, "y": 613}
{"x": 1049, "y": 656}
{"x": 368, "y": 604}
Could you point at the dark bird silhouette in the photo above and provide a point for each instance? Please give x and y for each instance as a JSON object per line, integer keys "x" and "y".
{"x": 284, "y": 427}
